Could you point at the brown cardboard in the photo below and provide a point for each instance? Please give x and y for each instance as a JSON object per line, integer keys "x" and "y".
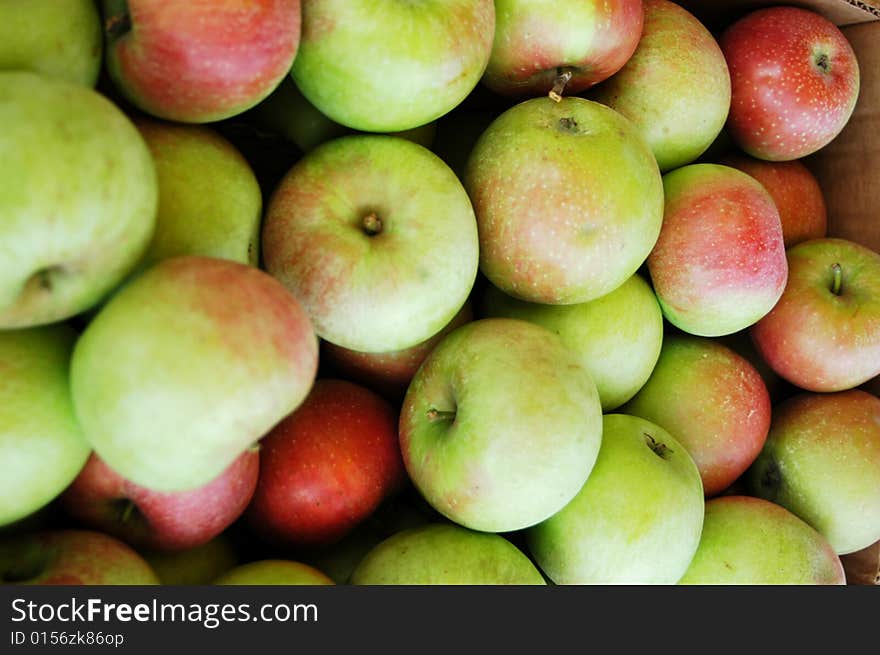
{"x": 863, "y": 566}
{"x": 840, "y": 12}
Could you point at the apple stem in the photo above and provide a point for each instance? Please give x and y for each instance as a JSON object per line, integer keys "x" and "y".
{"x": 118, "y": 19}
{"x": 836, "y": 278}
{"x": 659, "y": 448}
{"x": 562, "y": 78}
{"x": 372, "y": 224}
{"x": 127, "y": 511}
{"x": 440, "y": 415}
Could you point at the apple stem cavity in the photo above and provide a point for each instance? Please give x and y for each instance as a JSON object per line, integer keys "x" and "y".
{"x": 127, "y": 511}
{"x": 562, "y": 78}
{"x": 823, "y": 63}
{"x": 836, "y": 279}
{"x": 117, "y": 20}
{"x": 660, "y": 449}
{"x": 371, "y": 224}
{"x": 434, "y": 414}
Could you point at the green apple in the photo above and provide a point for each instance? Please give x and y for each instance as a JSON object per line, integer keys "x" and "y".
{"x": 42, "y": 447}
{"x": 751, "y": 541}
{"x": 617, "y": 336}
{"x": 76, "y": 221}
{"x": 446, "y": 554}
{"x": 388, "y": 66}
{"x": 194, "y": 566}
{"x": 501, "y": 425}
{"x": 636, "y": 520}
{"x": 58, "y": 38}
{"x": 188, "y": 365}
{"x": 821, "y": 461}
{"x": 274, "y": 572}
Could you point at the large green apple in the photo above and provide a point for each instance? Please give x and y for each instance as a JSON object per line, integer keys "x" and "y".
{"x": 388, "y": 66}
{"x": 618, "y": 336}
{"x": 501, "y": 425}
{"x": 57, "y": 38}
{"x": 445, "y": 554}
{"x": 42, "y": 448}
{"x": 78, "y": 197}
{"x": 194, "y": 566}
{"x": 189, "y": 364}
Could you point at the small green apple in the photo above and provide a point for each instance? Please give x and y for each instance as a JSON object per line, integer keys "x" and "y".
{"x": 274, "y": 572}
{"x": 194, "y": 566}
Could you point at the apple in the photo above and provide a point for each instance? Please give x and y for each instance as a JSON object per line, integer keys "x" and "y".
{"x": 675, "y": 87}
{"x": 101, "y": 499}
{"x": 536, "y": 41}
{"x": 501, "y": 425}
{"x": 741, "y": 342}
{"x": 274, "y": 572}
{"x": 76, "y": 222}
{"x": 445, "y": 554}
{"x": 63, "y": 40}
{"x": 187, "y": 366}
{"x": 794, "y": 189}
{"x": 199, "y": 565}
{"x": 824, "y": 333}
{"x": 712, "y": 400}
{"x": 636, "y": 520}
{"x": 568, "y": 200}
{"x": 195, "y": 62}
{"x": 821, "y": 461}
{"x": 794, "y": 82}
{"x": 326, "y": 466}
{"x": 72, "y": 557}
{"x": 719, "y": 263}
{"x": 393, "y": 66}
{"x": 751, "y": 541}
{"x": 376, "y": 237}
{"x": 617, "y": 336}
{"x": 42, "y": 447}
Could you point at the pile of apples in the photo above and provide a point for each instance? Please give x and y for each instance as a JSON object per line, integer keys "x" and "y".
{"x": 464, "y": 292}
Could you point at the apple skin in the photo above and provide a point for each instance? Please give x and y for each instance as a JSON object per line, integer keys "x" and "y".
{"x": 194, "y": 62}
{"x": 794, "y": 82}
{"x": 617, "y": 336}
{"x": 535, "y": 40}
{"x": 821, "y": 461}
{"x": 326, "y": 466}
{"x": 72, "y": 557}
{"x": 675, "y": 87}
{"x": 794, "y": 189}
{"x": 500, "y": 425}
{"x": 818, "y": 339}
{"x": 101, "y": 499}
{"x": 391, "y": 66}
{"x": 445, "y": 554}
{"x": 200, "y": 565}
{"x": 187, "y": 366}
{"x": 719, "y": 263}
{"x": 76, "y": 223}
{"x": 63, "y": 40}
{"x": 42, "y": 447}
{"x": 751, "y": 541}
{"x": 380, "y": 286}
{"x": 712, "y": 400}
{"x": 636, "y": 520}
{"x": 274, "y": 572}
{"x": 568, "y": 199}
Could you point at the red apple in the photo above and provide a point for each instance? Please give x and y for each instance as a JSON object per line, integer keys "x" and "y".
{"x": 104, "y": 500}
{"x": 794, "y": 189}
{"x": 794, "y": 82}
{"x": 327, "y": 466}
{"x": 196, "y": 62}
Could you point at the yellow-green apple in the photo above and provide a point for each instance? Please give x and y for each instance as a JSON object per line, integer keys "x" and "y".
{"x": 536, "y": 41}
{"x": 741, "y": 342}
{"x": 200, "y": 565}
{"x": 389, "y": 66}
{"x": 636, "y": 520}
{"x": 675, "y": 87}
{"x": 326, "y": 466}
{"x": 389, "y": 373}
{"x": 72, "y": 557}
{"x": 501, "y": 425}
{"x": 568, "y": 200}
{"x": 197, "y": 62}
{"x": 274, "y": 572}
{"x": 751, "y": 541}
{"x": 794, "y": 82}
{"x": 712, "y": 400}
{"x": 58, "y": 38}
{"x": 794, "y": 189}
{"x": 824, "y": 332}
{"x": 376, "y": 236}
{"x": 101, "y": 499}
{"x": 76, "y": 222}
{"x": 719, "y": 263}
{"x": 821, "y": 461}
{"x": 187, "y": 366}
{"x": 617, "y": 336}
{"x": 42, "y": 447}
{"x": 446, "y": 554}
